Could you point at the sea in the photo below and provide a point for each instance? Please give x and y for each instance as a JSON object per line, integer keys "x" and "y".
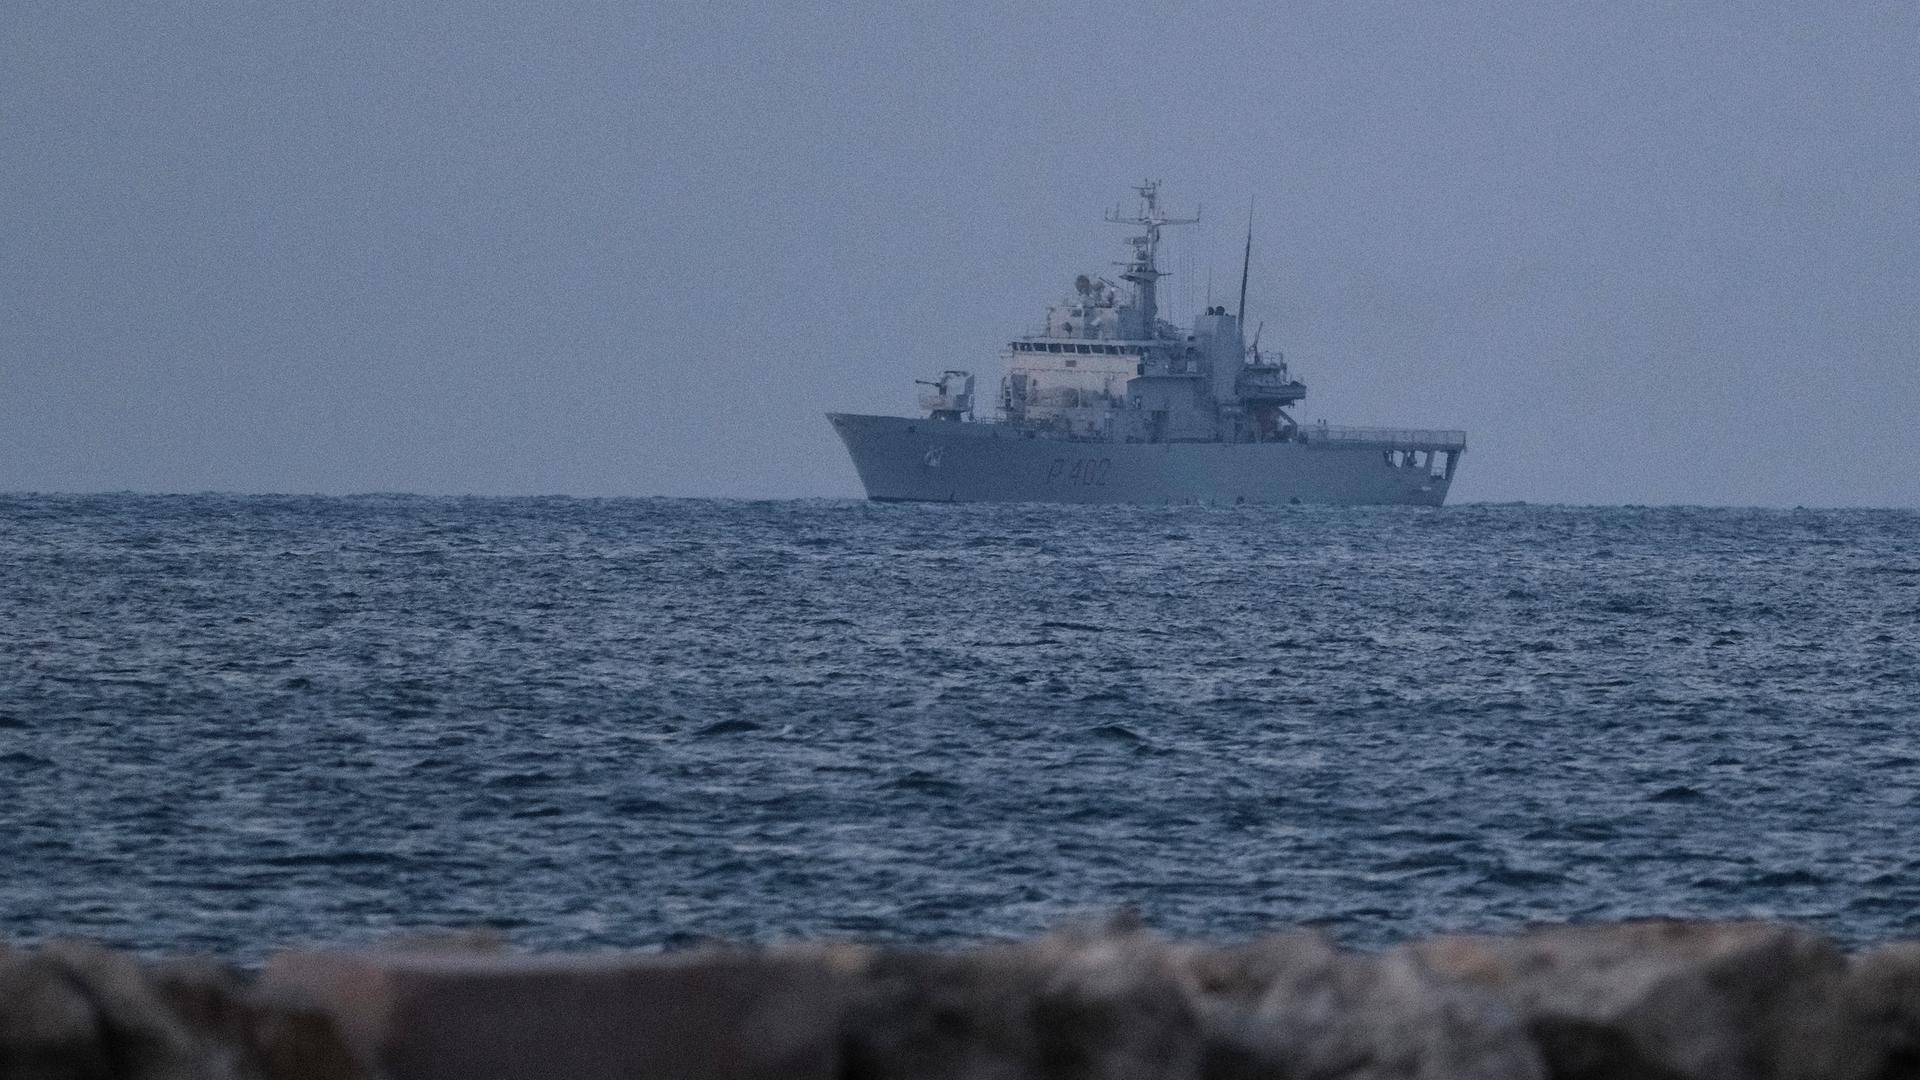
{"x": 232, "y": 724}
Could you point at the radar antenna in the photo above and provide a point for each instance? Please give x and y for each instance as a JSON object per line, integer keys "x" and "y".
{"x": 1142, "y": 271}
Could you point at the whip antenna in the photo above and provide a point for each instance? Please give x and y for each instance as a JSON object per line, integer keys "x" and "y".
{"x": 1246, "y": 261}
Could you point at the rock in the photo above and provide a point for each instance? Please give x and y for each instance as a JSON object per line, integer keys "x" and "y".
{"x": 76, "y": 1010}
{"x": 1119, "y": 1004}
{"x": 210, "y": 1002}
{"x": 48, "y": 1027}
{"x": 464, "y": 1015}
{"x": 1674, "y": 999}
{"x": 1650, "y": 1000}
{"x": 1104, "y": 1004}
{"x": 1883, "y": 986}
{"x": 79, "y": 1012}
{"x": 295, "y": 1038}
{"x": 1292, "y": 1005}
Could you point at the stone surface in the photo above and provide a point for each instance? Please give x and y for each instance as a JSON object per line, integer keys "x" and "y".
{"x": 74, "y": 1010}
{"x": 1650, "y": 1000}
{"x": 1669, "y": 998}
{"x": 1089, "y": 1005}
{"x": 1120, "y": 1004}
{"x": 457, "y": 1015}
{"x": 1292, "y": 1005}
{"x": 48, "y": 1027}
{"x": 297, "y": 1040}
{"x": 1883, "y": 988}
{"x": 79, "y": 1012}
{"x": 214, "y": 1006}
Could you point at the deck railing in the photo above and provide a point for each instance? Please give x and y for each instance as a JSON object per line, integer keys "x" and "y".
{"x": 1413, "y": 438}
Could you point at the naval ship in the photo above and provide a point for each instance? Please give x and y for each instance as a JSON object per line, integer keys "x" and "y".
{"x": 1110, "y": 403}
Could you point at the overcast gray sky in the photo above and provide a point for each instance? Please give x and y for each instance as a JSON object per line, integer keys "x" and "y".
{"x": 1642, "y": 252}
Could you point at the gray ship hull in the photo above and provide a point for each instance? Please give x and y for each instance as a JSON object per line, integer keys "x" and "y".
{"x": 906, "y": 459}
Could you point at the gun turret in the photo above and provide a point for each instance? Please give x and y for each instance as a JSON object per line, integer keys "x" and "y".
{"x": 945, "y": 403}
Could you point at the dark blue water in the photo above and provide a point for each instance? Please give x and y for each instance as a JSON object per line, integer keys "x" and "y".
{"x": 229, "y": 723}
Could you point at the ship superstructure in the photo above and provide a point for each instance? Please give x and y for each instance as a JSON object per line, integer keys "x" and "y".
{"x": 1109, "y": 402}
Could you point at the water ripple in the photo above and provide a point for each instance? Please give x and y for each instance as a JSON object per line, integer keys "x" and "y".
{"x": 231, "y": 722}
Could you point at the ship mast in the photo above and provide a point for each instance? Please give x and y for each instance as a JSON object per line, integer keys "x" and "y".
{"x": 1141, "y": 271}
{"x": 1246, "y": 263}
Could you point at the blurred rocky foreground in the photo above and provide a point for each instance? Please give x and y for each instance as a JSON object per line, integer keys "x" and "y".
{"x": 1647, "y": 1000}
